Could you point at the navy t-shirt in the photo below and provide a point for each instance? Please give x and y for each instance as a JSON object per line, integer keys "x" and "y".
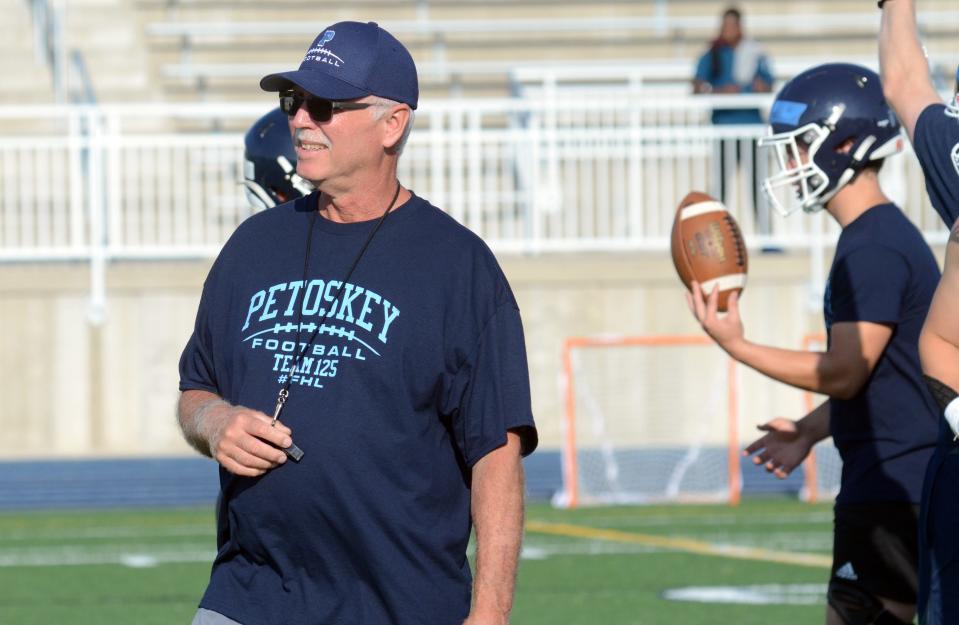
{"x": 936, "y": 142}
{"x": 884, "y": 272}
{"x": 418, "y": 373}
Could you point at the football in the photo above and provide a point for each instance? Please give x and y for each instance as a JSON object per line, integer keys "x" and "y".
{"x": 708, "y": 247}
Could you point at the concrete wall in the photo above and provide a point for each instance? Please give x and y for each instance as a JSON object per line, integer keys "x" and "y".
{"x": 73, "y": 389}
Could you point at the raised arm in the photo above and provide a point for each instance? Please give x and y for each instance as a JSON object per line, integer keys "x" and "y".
{"x": 904, "y": 69}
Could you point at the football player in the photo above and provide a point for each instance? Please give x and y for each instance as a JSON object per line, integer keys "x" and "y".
{"x": 269, "y": 163}
{"x": 933, "y": 128}
{"x": 831, "y": 128}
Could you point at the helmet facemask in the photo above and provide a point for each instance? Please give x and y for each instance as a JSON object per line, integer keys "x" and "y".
{"x": 800, "y": 182}
{"x": 261, "y": 198}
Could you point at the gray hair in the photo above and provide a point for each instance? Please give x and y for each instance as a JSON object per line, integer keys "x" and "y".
{"x": 380, "y": 106}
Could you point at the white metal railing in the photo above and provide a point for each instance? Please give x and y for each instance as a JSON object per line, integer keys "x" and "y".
{"x": 558, "y": 173}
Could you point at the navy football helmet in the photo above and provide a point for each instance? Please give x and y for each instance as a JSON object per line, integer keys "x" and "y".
{"x": 815, "y": 114}
{"x": 269, "y": 163}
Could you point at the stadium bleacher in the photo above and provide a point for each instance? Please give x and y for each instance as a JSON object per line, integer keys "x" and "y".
{"x": 188, "y": 50}
{"x": 26, "y": 74}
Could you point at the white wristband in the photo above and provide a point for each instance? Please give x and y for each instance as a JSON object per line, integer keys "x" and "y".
{"x": 952, "y": 416}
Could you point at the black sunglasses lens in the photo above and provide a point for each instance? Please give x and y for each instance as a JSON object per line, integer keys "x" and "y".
{"x": 319, "y": 110}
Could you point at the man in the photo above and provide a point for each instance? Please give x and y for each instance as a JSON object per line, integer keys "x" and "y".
{"x": 269, "y": 163}
{"x": 934, "y": 131}
{"x": 831, "y": 129}
{"x": 387, "y": 339}
{"x": 734, "y": 64}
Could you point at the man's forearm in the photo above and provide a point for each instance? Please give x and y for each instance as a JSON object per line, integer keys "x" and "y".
{"x": 193, "y": 412}
{"x": 497, "y": 505}
{"x": 810, "y": 371}
{"x": 814, "y": 427}
{"x": 900, "y": 51}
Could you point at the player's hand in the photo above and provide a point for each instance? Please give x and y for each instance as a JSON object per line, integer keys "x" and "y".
{"x": 781, "y": 449}
{"x": 724, "y": 330}
{"x": 244, "y": 442}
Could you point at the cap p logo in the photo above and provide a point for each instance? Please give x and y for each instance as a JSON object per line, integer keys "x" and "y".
{"x": 327, "y": 37}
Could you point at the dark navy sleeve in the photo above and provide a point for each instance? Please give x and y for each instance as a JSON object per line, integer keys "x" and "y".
{"x": 936, "y": 142}
{"x": 197, "y": 371}
{"x": 869, "y": 284}
{"x": 492, "y": 392}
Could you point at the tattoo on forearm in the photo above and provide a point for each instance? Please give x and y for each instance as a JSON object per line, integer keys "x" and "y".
{"x": 954, "y": 234}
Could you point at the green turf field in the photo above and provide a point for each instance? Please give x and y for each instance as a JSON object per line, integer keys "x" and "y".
{"x": 599, "y": 566}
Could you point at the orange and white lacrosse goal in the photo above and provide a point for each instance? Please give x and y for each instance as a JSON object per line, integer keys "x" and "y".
{"x": 649, "y": 419}
{"x": 652, "y": 419}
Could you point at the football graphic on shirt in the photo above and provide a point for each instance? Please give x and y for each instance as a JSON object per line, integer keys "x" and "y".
{"x": 707, "y": 246}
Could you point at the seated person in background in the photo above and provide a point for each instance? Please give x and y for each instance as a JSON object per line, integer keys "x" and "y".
{"x": 734, "y": 64}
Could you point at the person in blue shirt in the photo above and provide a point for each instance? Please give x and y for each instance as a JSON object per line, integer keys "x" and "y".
{"x": 734, "y": 64}
{"x": 933, "y": 128}
{"x": 831, "y": 131}
{"x": 358, "y": 370}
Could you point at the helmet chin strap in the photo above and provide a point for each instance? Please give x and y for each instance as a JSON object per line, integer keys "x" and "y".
{"x": 823, "y": 199}
{"x": 855, "y": 166}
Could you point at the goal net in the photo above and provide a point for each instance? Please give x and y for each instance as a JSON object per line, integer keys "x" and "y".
{"x": 649, "y": 419}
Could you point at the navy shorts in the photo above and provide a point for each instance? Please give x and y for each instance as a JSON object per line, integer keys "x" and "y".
{"x": 876, "y": 547}
{"x": 939, "y": 540}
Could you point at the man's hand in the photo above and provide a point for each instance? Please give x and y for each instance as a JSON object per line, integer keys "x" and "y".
{"x": 726, "y": 331}
{"x": 240, "y": 439}
{"x": 237, "y": 436}
{"x": 781, "y": 449}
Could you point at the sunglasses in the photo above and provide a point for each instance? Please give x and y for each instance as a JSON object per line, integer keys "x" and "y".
{"x": 319, "y": 109}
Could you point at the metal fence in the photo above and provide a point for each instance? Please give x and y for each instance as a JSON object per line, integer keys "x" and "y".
{"x": 560, "y": 172}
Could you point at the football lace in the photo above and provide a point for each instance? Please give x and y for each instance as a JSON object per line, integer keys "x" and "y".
{"x": 737, "y": 239}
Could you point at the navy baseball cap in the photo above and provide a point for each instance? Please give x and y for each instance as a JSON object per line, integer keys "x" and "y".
{"x": 351, "y": 60}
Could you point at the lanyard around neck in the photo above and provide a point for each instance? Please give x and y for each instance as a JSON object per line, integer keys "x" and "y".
{"x": 294, "y": 452}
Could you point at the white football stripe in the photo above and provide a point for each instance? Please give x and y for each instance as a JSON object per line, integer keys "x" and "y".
{"x": 701, "y": 208}
{"x": 729, "y": 281}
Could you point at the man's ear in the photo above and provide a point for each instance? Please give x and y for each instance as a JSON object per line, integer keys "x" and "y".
{"x": 396, "y": 120}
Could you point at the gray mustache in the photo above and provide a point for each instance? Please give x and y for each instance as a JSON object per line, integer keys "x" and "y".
{"x": 300, "y": 135}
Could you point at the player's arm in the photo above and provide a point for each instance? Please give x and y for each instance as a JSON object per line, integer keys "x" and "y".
{"x": 497, "y": 509}
{"x": 786, "y": 443}
{"x": 241, "y": 440}
{"x": 939, "y": 341}
{"x": 903, "y": 67}
{"x": 841, "y": 372}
